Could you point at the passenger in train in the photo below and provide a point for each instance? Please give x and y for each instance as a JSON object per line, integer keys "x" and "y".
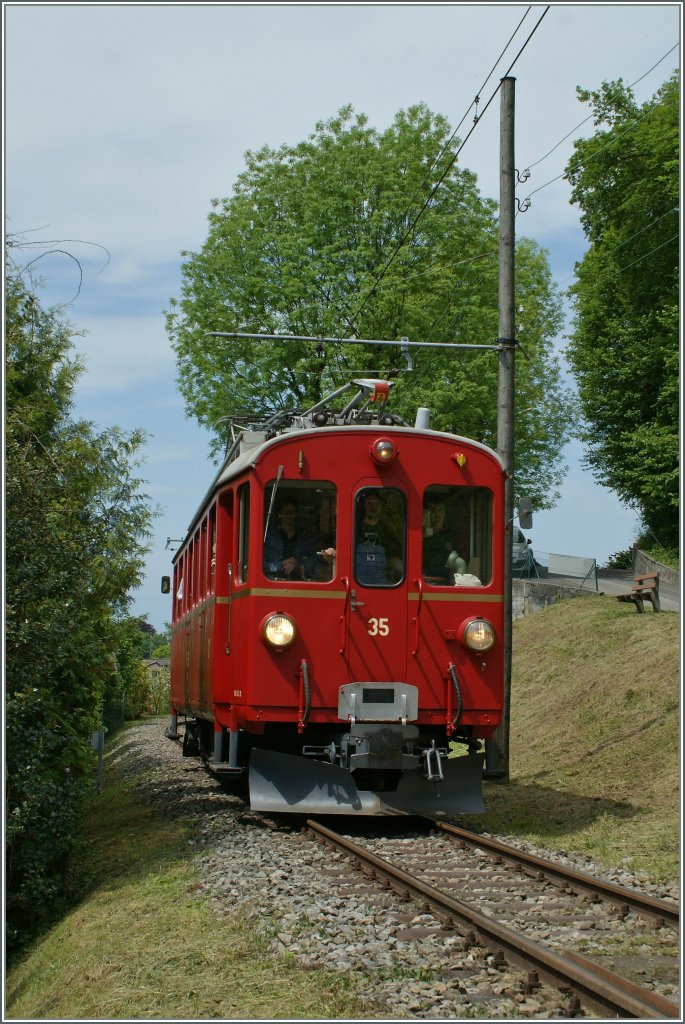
{"x": 380, "y": 548}
{"x": 290, "y": 552}
{"x": 439, "y": 546}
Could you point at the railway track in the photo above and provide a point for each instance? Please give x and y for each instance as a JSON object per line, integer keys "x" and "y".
{"x": 471, "y": 887}
{"x": 568, "y": 879}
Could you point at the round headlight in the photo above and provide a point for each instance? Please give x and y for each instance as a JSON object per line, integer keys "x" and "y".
{"x": 383, "y": 450}
{"x": 278, "y": 630}
{"x": 478, "y": 635}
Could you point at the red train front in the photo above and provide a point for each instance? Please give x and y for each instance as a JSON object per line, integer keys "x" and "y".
{"x": 337, "y": 614}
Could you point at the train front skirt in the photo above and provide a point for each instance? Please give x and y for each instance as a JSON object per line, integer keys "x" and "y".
{"x": 286, "y": 783}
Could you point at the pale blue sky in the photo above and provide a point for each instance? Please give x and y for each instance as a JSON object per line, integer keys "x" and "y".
{"x": 123, "y": 121}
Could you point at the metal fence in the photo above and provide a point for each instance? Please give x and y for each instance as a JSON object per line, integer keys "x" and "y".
{"x": 555, "y": 568}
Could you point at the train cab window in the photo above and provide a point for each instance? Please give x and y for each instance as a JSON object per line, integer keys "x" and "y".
{"x": 380, "y": 532}
{"x": 299, "y": 531}
{"x": 243, "y": 532}
{"x": 457, "y": 536}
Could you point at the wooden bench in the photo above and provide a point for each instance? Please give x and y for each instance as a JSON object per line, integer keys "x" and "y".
{"x": 646, "y": 586}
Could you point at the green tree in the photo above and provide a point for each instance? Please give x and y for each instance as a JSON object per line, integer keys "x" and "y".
{"x": 126, "y": 695}
{"x": 347, "y": 234}
{"x": 162, "y": 647}
{"x": 624, "y": 346}
{"x": 159, "y": 688}
{"x": 76, "y": 528}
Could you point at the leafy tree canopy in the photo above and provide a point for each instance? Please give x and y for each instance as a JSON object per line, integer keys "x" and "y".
{"x": 347, "y": 234}
{"x": 624, "y": 346}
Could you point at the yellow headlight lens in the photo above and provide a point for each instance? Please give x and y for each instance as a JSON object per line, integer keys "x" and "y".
{"x": 279, "y": 630}
{"x": 479, "y": 635}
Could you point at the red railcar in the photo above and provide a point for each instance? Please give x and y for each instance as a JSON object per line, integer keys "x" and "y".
{"x": 337, "y": 614}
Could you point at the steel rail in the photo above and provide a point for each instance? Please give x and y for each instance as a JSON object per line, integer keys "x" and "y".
{"x": 558, "y": 873}
{"x": 599, "y": 989}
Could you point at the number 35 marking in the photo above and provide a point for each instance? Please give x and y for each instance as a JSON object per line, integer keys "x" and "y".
{"x": 379, "y": 627}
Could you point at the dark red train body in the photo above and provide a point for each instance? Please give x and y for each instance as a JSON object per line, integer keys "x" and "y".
{"x": 340, "y": 677}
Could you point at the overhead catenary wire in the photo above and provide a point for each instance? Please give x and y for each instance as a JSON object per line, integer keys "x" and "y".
{"x": 446, "y": 310}
{"x": 636, "y": 234}
{"x": 445, "y": 148}
{"x": 442, "y": 177}
{"x": 615, "y": 273}
{"x": 540, "y": 160}
{"x": 630, "y": 127}
{"x": 589, "y": 117}
{"x": 440, "y": 262}
{"x": 594, "y": 155}
{"x": 351, "y": 318}
{"x": 473, "y": 103}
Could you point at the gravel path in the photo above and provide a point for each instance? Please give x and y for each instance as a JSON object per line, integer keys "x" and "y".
{"x": 284, "y": 883}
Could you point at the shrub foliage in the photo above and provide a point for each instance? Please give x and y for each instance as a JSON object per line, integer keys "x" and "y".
{"x": 76, "y": 529}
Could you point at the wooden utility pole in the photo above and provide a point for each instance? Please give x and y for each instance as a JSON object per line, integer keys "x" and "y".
{"x": 497, "y": 749}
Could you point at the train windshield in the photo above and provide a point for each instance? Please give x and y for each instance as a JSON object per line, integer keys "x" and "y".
{"x": 457, "y": 536}
{"x": 299, "y": 531}
{"x": 380, "y": 532}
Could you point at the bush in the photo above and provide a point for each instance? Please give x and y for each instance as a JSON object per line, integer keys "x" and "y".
{"x": 620, "y": 560}
{"x": 48, "y": 777}
{"x": 77, "y": 529}
{"x": 667, "y": 556}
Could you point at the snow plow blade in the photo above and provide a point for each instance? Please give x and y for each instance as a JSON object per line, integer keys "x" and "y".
{"x": 288, "y": 784}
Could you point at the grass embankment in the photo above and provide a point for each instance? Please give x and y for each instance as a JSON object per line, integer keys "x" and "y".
{"x": 142, "y": 945}
{"x": 594, "y": 738}
{"x": 594, "y": 759}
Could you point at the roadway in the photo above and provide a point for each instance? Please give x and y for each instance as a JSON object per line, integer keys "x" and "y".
{"x": 618, "y": 581}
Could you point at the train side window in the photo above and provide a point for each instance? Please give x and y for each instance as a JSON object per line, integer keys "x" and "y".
{"x": 189, "y": 594}
{"x": 457, "y": 536}
{"x": 243, "y": 532}
{"x": 299, "y": 531}
{"x": 177, "y": 591}
{"x": 199, "y": 566}
{"x": 380, "y": 536}
{"x": 193, "y": 570}
{"x": 211, "y": 551}
{"x": 179, "y": 587}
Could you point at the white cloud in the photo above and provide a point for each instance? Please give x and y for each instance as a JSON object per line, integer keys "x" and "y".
{"x": 123, "y": 352}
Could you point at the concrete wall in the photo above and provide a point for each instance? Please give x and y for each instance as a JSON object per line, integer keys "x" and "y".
{"x": 642, "y": 564}
{"x": 530, "y": 596}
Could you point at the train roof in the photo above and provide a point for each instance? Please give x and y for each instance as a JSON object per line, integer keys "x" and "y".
{"x": 250, "y": 443}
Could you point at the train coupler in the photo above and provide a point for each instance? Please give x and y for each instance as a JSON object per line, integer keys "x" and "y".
{"x": 433, "y": 763}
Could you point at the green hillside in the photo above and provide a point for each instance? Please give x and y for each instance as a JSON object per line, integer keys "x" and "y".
{"x": 594, "y": 736}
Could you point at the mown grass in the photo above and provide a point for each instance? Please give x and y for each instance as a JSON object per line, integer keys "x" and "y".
{"x": 594, "y": 740}
{"x": 142, "y": 945}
